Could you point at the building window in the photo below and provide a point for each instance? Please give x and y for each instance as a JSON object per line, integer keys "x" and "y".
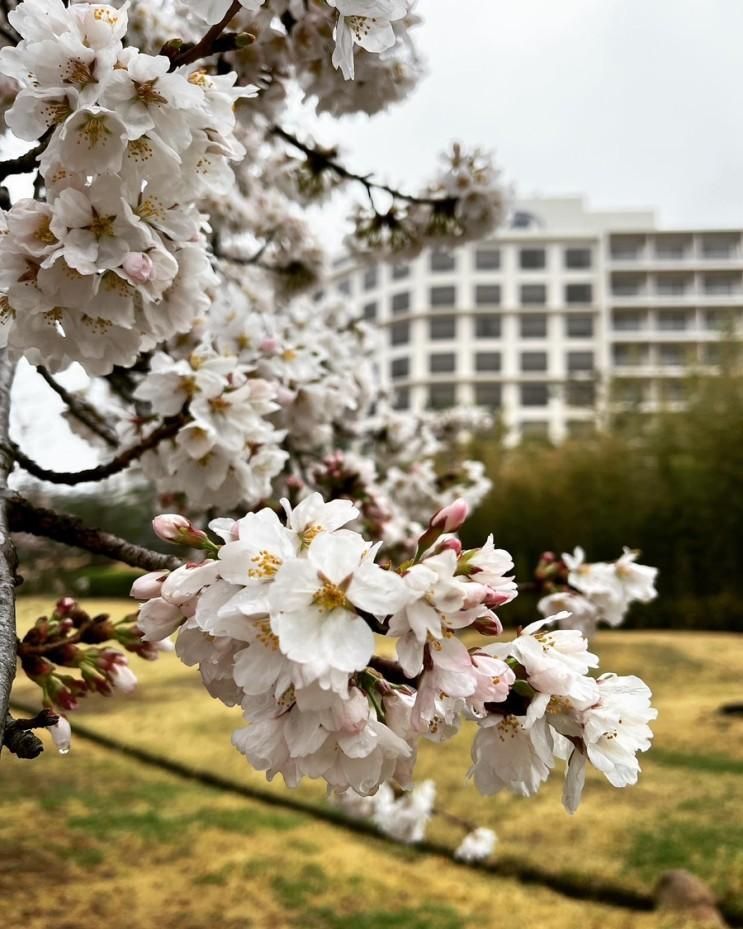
{"x": 400, "y": 271}
{"x": 580, "y": 393}
{"x": 627, "y": 248}
{"x": 672, "y": 320}
{"x": 533, "y": 361}
{"x": 670, "y": 249}
{"x": 532, "y": 259}
{"x": 716, "y": 320}
{"x": 371, "y": 277}
{"x": 578, "y": 293}
{"x": 442, "y": 327}
{"x": 442, "y": 396}
{"x": 443, "y": 296}
{"x": 402, "y": 398}
{"x": 671, "y": 286}
{"x": 580, "y": 361}
{"x": 535, "y": 430}
{"x": 487, "y": 361}
{"x": 719, "y": 246}
{"x": 721, "y": 284}
{"x": 671, "y": 355}
{"x": 344, "y": 286}
{"x": 579, "y": 326}
{"x": 534, "y": 395}
{"x": 399, "y": 367}
{"x": 442, "y": 260}
{"x": 578, "y": 259}
{"x": 630, "y": 354}
{"x": 533, "y": 294}
{"x": 488, "y": 395}
{"x": 442, "y": 362}
{"x": 629, "y": 391}
{"x": 627, "y": 285}
{"x": 400, "y": 333}
{"x": 487, "y": 259}
{"x": 487, "y": 295}
{"x": 487, "y": 326}
{"x": 711, "y": 353}
{"x": 370, "y": 311}
{"x": 401, "y": 302}
{"x": 533, "y": 326}
{"x": 628, "y": 320}
{"x": 672, "y": 391}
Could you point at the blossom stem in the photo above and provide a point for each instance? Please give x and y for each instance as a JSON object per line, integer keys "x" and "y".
{"x": 25, "y": 517}
{"x": 166, "y": 430}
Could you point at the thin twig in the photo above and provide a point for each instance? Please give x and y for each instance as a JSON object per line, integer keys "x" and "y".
{"x": 24, "y": 516}
{"x": 205, "y": 46}
{"x": 7, "y": 554}
{"x": 166, "y": 430}
{"x": 83, "y": 411}
{"x": 327, "y": 160}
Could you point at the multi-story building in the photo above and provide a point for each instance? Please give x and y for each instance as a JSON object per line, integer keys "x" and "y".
{"x": 554, "y": 319}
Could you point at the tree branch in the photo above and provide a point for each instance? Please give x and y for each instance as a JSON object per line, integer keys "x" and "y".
{"x": 166, "y": 430}
{"x": 7, "y": 554}
{"x": 18, "y": 737}
{"x": 205, "y": 46}
{"x": 24, "y": 163}
{"x": 83, "y": 411}
{"x": 37, "y": 520}
{"x": 325, "y": 160}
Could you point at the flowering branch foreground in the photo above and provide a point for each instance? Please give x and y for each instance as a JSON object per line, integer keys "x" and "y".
{"x": 166, "y": 250}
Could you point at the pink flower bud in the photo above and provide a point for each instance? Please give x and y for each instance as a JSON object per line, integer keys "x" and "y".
{"x": 65, "y": 606}
{"x": 148, "y": 586}
{"x": 122, "y": 678}
{"x": 269, "y": 346}
{"x": 61, "y": 733}
{"x": 475, "y": 594}
{"x": 453, "y": 545}
{"x": 496, "y": 598}
{"x": 170, "y": 527}
{"x": 451, "y": 517}
{"x": 138, "y": 266}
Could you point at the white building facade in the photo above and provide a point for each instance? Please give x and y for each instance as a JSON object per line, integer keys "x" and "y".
{"x": 554, "y": 318}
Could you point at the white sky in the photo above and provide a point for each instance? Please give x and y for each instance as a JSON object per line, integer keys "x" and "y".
{"x": 634, "y": 103}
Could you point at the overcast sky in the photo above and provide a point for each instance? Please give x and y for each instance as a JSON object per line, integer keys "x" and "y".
{"x": 633, "y": 103}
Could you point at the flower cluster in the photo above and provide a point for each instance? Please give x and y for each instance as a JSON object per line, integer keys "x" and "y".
{"x": 281, "y": 616}
{"x": 70, "y": 640}
{"x": 115, "y": 260}
{"x": 367, "y": 23}
{"x": 594, "y": 592}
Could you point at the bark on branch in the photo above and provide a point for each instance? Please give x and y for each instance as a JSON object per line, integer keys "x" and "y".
{"x": 166, "y": 430}
{"x": 83, "y": 411}
{"x": 7, "y": 554}
{"x": 37, "y": 520}
{"x": 206, "y": 45}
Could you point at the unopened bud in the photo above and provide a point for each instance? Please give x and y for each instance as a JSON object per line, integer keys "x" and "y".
{"x": 61, "y": 733}
{"x": 451, "y": 517}
{"x": 148, "y": 586}
{"x": 269, "y": 345}
{"x": 138, "y": 266}
{"x": 452, "y": 544}
{"x": 170, "y": 527}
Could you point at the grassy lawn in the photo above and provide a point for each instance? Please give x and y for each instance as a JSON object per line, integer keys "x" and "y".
{"x": 95, "y": 839}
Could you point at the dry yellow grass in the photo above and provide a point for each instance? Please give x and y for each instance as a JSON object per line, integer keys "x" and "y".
{"x": 190, "y": 857}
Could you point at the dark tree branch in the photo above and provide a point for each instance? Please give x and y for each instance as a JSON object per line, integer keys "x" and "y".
{"x": 206, "y": 45}
{"x": 37, "y": 520}
{"x": 7, "y": 553}
{"x": 19, "y": 738}
{"x": 83, "y": 411}
{"x": 325, "y": 160}
{"x": 166, "y": 430}
{"x": 26, "y": 162}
